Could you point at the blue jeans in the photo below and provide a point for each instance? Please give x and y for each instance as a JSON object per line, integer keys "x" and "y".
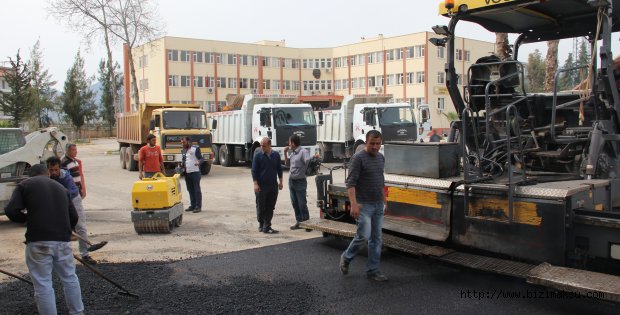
{"x": 192, "y": 181}
{"x": 41, "y": 259}
{"x": 297, "y": 189}
{"x": 369, "y": 225}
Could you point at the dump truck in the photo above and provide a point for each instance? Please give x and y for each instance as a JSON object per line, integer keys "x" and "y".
{"x": 237, "y": 132}
{"x": 527, "y": 184}
{"x": 169, "y": 123}
{"x": 18, "y": 153}
{"x": 341, "y": 129}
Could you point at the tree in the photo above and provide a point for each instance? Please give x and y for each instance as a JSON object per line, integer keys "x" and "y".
{"x": 567, "y": 79}
{"x": 109, "y": 92}
{"x": 42, "y": 87}
{"x": 583, "y": 59}
{"x": 502, "y": 46}
{"x": 18, "y": 102}
{"x": 551, "y": 64}
{"x": 130, "y": 21}
{"x": 535, "y": 72}
{"x": 77, "y": 97}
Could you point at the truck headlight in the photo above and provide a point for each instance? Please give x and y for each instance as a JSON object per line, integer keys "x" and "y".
{"x": 169, "y": 158}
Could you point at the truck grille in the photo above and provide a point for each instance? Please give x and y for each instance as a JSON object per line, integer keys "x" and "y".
{"x": 174, "y": 141}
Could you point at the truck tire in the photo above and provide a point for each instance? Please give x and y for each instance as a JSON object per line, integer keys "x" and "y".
{"x": 326, "y": 156}
{"x": 205, "y": 168}
{"x": 226, "y": 155}
{"x": 132, "y": 164}
{"x": 216, "y": 153}
{"x": 122, "y": 157}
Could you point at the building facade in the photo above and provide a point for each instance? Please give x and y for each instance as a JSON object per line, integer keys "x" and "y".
{"x": 207, "y": 72}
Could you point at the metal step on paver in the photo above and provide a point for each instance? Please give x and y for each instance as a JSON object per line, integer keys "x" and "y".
{"x": 581, "y": 283}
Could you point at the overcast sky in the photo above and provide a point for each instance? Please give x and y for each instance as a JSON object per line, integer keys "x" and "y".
{"x": 315, "y": 23}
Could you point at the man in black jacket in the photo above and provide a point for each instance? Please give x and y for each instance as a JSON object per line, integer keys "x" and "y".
{"x": 50, "y": 217}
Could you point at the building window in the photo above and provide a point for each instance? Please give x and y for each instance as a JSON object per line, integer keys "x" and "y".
{"x": 185, "y": 80}
{"x": 232, "y": 59}
{"x": 410, "y": 52}
{"x": 419, "y": 77}
{"x": 295, "y": 64}
{"x": 391, "y": 79}
{"x": 266, "y": 61}
{"x": 440, "y": 52}
{"x": 173, "y": 80}
{"x": 419, "y": 101}
{"x": 208, "y": 57}
{"x": 353, "y": 61}
{"x": 173, "y": 55}
{"x": 399, "y": 78}
{"x": 379, "y": 80}
{"x": 144, "y": 84}
{"x": 361, "y": 59}
{"x": 198, "y": 56}
{"x": 371, "y": 57}
{"x": 467, "y": 55}
{"x": 410, "y": 77}
{"x": 441, "y": 77}
{"x": 210, "y": 81}
{"x": 243, "y": 83}
{"x": 419, "y": 51}
{"x": 329, "y": 63}
{"x": 345, "y": 84}
{"x": 253, "y": 83}
{"x": 389, "y": 55}
{"x": 459, "y": 54}
{"x": 143, "y": 61}
{"x": 399, "y": 54}
{"x": 221, "y": 83}
{"x": 459, "y": 79}
{"x": 371, "y": 81}
{"x": 254, "y": 60}
{"x": 267, "y": 84}
{"x": 243, "y": 60}
{"x": 441, "y": 106}
{"x": 287, "y": 85}
{"x": 198, "y": 81}
{"x": 185, "y": 55}
{"x": 232, "y": 83}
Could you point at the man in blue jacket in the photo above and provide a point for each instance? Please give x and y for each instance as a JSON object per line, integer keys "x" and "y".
{"x": 64, "y": 177}
{"x": 267, "y": 177}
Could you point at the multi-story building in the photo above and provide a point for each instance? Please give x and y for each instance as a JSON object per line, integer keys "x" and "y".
{"x": 4, "y": 87}
{"x": 184, "y": 70}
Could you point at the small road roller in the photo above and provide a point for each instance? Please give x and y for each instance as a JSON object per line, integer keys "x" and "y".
{"x": 157, "y": 206}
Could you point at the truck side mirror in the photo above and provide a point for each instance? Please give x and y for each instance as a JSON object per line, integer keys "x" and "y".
{"x": 214, "y": 124}
{"x": 265, "y": 119}
{"x": 320, "y": 118}
{"x": 369, "y": 117}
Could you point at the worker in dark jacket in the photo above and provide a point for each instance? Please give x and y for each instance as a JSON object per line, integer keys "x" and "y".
{"x": 50, "y": 216}
{"x": 267, "y": 177}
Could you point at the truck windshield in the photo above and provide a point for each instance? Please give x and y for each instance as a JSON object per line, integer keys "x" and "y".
{"x": 293, "y": 116}
{"x": 184, "y": 120}
{"x": 391, "y": 116}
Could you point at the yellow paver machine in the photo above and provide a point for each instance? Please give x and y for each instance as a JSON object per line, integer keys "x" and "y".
{"x": 157, "y": 206}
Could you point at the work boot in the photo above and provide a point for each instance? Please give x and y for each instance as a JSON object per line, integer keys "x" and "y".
{"x": 89, "y": 260}
{"x": 196, "y": 210}
{"x": 295, "y": 226}
{"x": 376, "y": 276}
{"x": 344, "y": 266}
{"x": 189, "y": 209}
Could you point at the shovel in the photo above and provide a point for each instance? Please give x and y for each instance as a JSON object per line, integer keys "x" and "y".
{"x": 97, "y": 272}
{"x": 15, "y": 276}
{"x": 91, "y": 247}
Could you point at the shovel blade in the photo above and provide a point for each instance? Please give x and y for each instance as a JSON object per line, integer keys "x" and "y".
{"x": 97, "y": 246}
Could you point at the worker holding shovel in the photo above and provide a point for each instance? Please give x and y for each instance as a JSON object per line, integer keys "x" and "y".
{"x": 50, "y": 217}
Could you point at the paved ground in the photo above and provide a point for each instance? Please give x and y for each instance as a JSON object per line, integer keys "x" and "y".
{"x": 302, "y": 277}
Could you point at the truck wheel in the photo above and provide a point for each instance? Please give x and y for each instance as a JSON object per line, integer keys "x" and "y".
{"x": 205, "y": 168}
{"x": 216, "y": 154}
{"x": 359, "y": 147}
{"x": 132, "y": 164}
{"x": 326, "y": 156}
{"x": 122, "y": 157}
{"x": 226, "y": 156}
